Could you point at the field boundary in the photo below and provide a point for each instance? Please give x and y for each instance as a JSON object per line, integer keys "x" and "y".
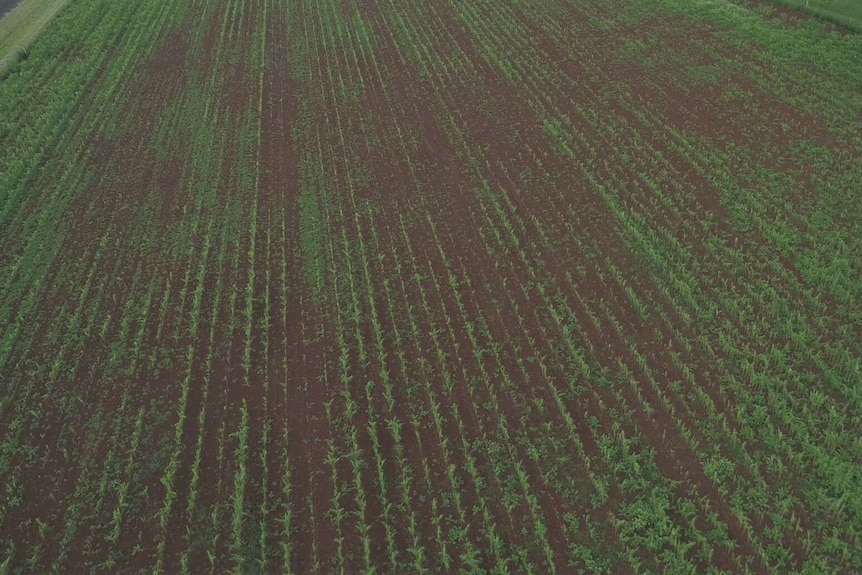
{"x": 849, "y": 22}
{"x": 23, "y": 24}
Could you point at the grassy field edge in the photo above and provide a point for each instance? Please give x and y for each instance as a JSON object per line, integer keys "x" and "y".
{"x": 850, "y": 21}
{"x": 23, "y": 24}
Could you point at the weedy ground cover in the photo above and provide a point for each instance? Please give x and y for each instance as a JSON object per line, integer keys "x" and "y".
{"x": 842, "y": 12}
{"x": 20, "y": 26}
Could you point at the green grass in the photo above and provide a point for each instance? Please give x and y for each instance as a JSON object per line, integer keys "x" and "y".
{"x": 23, "y": 24}
{"x": 846, "y": 13}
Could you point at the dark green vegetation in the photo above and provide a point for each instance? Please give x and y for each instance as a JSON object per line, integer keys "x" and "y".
{"x": 412, "y": 286}
{"x": 19, "y": 27}
{"x": 844, "y": 12}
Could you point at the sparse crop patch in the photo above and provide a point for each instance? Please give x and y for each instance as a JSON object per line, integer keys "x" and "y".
{"x": 479, "y": 286}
